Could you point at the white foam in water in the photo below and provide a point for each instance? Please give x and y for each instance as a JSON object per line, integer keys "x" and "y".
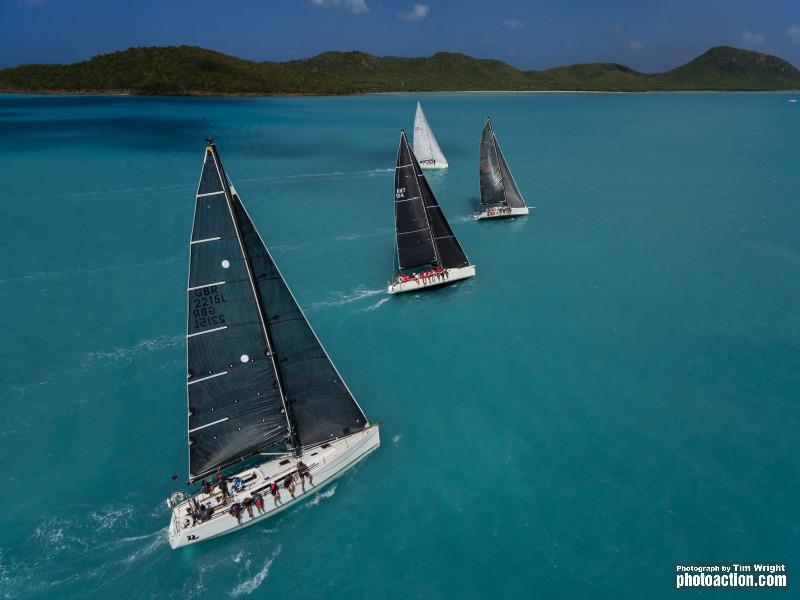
{"x": 376, "y": 305}
{"x": 357, "y": 294}
{"x": 250, "y": 585}
{"x": 322, "y": 496}
{"x": 397, "y": 437}
{"x": 109, "y": 516}
{"x": 140, "y": 347}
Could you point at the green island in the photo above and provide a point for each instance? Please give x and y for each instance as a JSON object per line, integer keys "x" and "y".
{"x": 189, "y": 70}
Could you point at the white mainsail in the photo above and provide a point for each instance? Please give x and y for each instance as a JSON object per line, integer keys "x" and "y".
{"x": 426, "y": 148}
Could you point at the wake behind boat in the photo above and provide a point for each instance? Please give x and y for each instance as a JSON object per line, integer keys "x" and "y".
{"x": 500, "y": 196}
{"x": 426, "y": 148}
{"x": 260, "y": 387}
{"x": 427, "y": 252}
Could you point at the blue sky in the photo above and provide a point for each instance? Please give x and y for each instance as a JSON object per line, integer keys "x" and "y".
{"x": 647, "y": 35}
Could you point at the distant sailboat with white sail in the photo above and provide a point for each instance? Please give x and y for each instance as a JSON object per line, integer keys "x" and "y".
{"x": 500, "y": 196}
{"x": 427, "y": 251}
{"x": 426, "y": 148}
{"x": 263, "y": 395}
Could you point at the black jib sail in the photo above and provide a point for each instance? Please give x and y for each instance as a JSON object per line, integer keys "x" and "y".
{"x": 423, "y": 235}
{"x": 257, "y": 375}
{"x": 497, "y": 184}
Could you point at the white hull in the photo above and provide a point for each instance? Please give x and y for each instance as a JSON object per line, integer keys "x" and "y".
{"x": 513, "y": 212}
{"x": 428, "y": 164}
{"x": 325, "y": 463}
{"x": 414, "y": 285}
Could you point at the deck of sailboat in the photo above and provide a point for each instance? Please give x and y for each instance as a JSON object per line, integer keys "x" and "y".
{"x": 508, "y": 214}
{"x": 418, "y": 285}
{"x": 326, "y": 462}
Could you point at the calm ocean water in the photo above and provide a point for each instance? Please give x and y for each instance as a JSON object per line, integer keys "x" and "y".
{"x": 615, "y": 392}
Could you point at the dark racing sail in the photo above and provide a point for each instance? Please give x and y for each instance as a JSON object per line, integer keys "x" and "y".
{"x": 415, "y": 245}
{"x": 423, "y": 235}
{"x": 449, "y": 251}
{"x": 257, "y": 375}
{"x": 498, "y": 187}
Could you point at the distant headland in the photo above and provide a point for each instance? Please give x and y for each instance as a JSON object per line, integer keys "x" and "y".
{"x": 193, "y": 71}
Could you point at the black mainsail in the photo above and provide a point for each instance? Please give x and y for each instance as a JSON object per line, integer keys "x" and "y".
{"x": 257, "y": 374}
{"x": 423, "y": 235}
{"x": 498, "y": 187}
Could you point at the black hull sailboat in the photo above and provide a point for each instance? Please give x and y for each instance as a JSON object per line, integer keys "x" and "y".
{"x": 500, "y": 196}
{"x": 427, "y": 251}
{"x": 259, "y": 382}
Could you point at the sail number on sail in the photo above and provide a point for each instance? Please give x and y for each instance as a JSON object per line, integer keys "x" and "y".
{"x": 204, "y": 311}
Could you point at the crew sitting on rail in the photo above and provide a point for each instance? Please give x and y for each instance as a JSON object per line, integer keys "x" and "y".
{"x": 303, "y": 471}
{"x": 236, "y": 511}
{"x": 248, "y": 506}
{"x": 222, "y": 484}
{"x": 276, "y": 493}
{"x": 258, "y": 499}
{"x": 288, "y": 483}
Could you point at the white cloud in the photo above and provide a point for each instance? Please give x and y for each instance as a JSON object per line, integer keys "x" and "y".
{"x": 357, "y": 7}
{"x": 417, "y": 13}
{"x": 635, "y": 45}
{"x": 751, "y": 39}
{"x": 514, "y": 24}
{"x": 793, "y": 33}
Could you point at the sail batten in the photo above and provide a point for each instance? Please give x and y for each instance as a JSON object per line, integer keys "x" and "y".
{"x": 426, "y": 148}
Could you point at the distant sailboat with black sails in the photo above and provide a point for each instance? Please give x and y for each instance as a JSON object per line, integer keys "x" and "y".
{"x": 427, "y": 251}
{"x": 270, "y": 420}
{"x": 500, "y": 196}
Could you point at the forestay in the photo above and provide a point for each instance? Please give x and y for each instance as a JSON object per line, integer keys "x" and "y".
{"x": 426, "y": 148}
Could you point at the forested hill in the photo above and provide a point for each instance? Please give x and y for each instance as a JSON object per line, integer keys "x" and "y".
{"x": 189, "y": 70}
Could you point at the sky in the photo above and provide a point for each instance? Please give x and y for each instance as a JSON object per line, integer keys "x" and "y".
{"x": 648, "y": 35}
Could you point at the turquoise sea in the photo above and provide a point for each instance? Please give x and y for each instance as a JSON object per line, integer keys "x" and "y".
{"x": 614, "y": 393}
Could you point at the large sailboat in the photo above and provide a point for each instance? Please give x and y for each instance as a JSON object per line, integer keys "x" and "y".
{"x": 428, "y": 253}
{"x": 270, "y": 420}
{"x": 500, "y": 197}
{"x": 426, "y": 148}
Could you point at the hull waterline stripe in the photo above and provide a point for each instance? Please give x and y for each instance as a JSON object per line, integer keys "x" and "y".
{"x": 206, "y": 378}
{"x": 214, "y": 239}
{"x": 207, "y": 331}
{"x": 211, "y": 194}
{"x": 217, "y": 422}
{"x": 200, "y": 287}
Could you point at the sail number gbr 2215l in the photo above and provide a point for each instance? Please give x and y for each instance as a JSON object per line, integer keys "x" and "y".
{"x": 206, "y": 311}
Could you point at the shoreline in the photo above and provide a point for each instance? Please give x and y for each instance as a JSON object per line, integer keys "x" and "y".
{"x": 127, "y": 93}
